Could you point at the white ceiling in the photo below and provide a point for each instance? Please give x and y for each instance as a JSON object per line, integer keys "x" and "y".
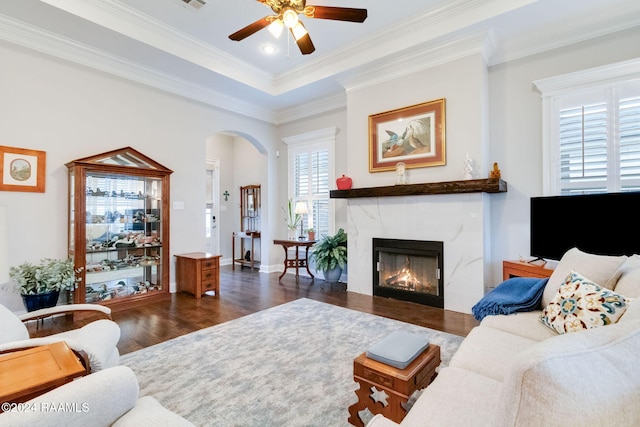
{"x": 185, "y": 50}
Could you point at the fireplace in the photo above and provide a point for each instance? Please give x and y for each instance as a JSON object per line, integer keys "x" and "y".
{"x": 409, "y": 270}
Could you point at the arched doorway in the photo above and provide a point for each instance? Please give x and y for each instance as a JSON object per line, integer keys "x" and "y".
{"x": 236, "y": 159}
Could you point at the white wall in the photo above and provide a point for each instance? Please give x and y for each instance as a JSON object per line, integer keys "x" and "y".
{"x": 460, "y": 82}
{"x": 220, "y": 146}
{"x": 241, "y": 163}
{"x": 72, "y": 112}
{"x": 457, "y": 220}
{"x": 516, "y": 131}
{"x": 513, "y": 135}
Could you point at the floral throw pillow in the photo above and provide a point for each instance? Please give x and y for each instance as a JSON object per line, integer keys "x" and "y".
{"x": 581, "y": 304}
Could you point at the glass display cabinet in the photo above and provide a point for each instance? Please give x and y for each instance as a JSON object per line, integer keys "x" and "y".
{"x": 119, "y": 228}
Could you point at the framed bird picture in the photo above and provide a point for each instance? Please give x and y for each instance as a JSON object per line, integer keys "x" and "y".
{"x": 413, "y": 135}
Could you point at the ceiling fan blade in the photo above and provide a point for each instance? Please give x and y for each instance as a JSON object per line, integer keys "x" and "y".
{"x": 336, "y": 13}
{"x": 305, "y": 44}
{"x": 251, "y": 28}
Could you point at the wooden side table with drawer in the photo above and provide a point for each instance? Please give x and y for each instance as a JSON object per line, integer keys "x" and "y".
{"x": 525, "y": 269}
{"x": 385, "y": 389}
{"x": 26, "y": 374}
{"x": 198, "y": 272}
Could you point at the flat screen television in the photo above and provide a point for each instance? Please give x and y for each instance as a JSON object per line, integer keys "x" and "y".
{"x": 603, "y": 224}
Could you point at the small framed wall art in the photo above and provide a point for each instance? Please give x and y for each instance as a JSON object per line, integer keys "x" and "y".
{"x": 22, "y": 169}
{"x": 413, "y": 135}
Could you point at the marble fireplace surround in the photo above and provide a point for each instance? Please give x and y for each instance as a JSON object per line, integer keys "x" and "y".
{"x": 456, "y": 213}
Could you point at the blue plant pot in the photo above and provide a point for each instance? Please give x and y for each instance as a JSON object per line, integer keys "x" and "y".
{"x": 332, "y": 276}
{"x": 36, "y": 302}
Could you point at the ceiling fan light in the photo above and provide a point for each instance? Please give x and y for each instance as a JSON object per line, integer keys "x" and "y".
{"x": 299, "y": 31}
{"x": 290, "y": 17}
{"x": 275, "y": 28}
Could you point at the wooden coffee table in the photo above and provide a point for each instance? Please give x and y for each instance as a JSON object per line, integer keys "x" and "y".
{"x": 29, "y": 373}
{"x": 377, "y": 380}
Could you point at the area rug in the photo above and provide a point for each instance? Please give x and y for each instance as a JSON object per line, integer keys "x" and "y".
{"x": 290, "y": 365}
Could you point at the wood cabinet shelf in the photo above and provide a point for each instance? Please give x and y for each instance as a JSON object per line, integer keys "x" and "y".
{"x": 448, "y": 187}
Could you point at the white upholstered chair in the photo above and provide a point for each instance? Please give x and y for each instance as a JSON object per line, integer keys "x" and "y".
{"x": 107, "y": 398}
{"x": 97, "y": 339}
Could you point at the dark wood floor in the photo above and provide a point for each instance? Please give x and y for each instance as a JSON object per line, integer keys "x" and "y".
{"x": 243, "y": 292}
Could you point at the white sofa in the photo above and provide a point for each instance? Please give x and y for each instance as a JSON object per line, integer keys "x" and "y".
{"x": 514, "y": 370}
{"x": 105, "y": 398}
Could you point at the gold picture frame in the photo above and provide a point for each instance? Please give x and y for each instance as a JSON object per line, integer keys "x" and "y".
{"x": 22, "y": 169}
{"x": 414, "y": 135}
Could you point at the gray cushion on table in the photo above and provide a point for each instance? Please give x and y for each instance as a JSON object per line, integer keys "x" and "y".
{"x": 398, "y": 349}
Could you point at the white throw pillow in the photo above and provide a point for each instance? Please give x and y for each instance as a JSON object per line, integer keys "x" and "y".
{"x": 581, "y": 304}
{"x": 632, "y": 313}
{"x": 601, "y": 269}
{"x": 629, "y": 282}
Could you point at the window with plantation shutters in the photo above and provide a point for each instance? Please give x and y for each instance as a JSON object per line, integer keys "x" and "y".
{"x": 310, "y": 183}
{"x": 583, "y": 149}
{"x": 599, "y": 145}
{"x": 591, "y": 130}
{"x": 310, "y": 173}
{"x": 629, "y": 119}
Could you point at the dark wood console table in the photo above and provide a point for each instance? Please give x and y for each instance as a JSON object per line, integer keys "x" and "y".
{"x": 297, "y": 262}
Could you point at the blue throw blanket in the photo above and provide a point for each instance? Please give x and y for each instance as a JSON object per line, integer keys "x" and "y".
{"x": 510, "y": 296}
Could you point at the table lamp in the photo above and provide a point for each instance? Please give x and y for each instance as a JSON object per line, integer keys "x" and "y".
{"x": 301, "y": 209}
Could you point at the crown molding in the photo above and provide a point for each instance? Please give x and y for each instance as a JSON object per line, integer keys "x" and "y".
{"x": 415, "y": 60}
{"x": 311, "y": 109}
{"x": 449, "y": 17}
{"x": 139, "y": 26}
{"x": 366, "y": 62}
{"x": 570, "y": 33}
{"x": 319, "y": 135}
{"x": 51, "y": 44}
{"x": 599, "y": 76}
{"x": 414, "y": 32}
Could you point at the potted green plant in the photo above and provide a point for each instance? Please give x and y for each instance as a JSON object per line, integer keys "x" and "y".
{"x": 330, "y": 255}
{"x": 40, "y": 284}
{"x": 311, "y": 234}
{"x": 292, "y": 219}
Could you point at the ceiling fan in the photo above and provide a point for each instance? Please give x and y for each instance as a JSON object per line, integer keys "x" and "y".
{"x": 287, "y": 15}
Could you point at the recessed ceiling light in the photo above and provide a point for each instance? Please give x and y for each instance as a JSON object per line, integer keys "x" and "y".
{"x": 269, "y": 49}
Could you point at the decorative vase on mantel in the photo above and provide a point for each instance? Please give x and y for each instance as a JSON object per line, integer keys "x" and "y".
{"x": 344, "y": 183}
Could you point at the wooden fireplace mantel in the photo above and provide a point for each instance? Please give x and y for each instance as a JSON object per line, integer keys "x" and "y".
{"x": 448, "y": 187}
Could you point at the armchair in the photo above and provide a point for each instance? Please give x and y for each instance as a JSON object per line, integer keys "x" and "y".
{"x": 97, "y": 339}
{"x": 107, "y": 398}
